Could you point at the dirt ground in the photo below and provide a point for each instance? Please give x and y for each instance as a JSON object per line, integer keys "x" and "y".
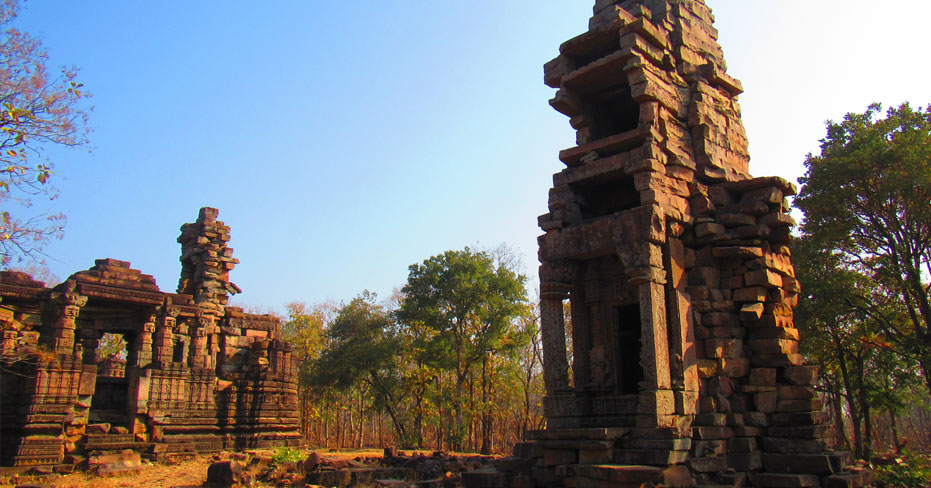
{"x": 187, "y": 474}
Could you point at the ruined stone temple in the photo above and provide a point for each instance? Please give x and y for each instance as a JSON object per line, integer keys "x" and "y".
{"x": 673, "y": 264}
{"x": 196, "y": 375}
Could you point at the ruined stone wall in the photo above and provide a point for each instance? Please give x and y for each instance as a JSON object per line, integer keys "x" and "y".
{"x": 675, "y": 265}
{"x": 198, "y": 377}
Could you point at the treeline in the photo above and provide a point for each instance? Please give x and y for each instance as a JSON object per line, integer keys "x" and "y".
{"x": 451, "y": 362}
{"x": 864, "y": 262}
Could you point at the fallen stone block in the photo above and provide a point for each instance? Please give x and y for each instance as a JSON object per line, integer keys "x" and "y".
{"x": 223, "y": 474}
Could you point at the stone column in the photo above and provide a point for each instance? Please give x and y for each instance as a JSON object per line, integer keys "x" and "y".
{"x": 142, "y": 346}
{"x": 200, "y": 338}
{"x": 654, "y": 355}
{"x": 681, "y": 330}
{"x": 553, "y": 331}
{"x": 66, "y": 305}
{"x": 91, "y": 340}
{"x": 163, "y": 343}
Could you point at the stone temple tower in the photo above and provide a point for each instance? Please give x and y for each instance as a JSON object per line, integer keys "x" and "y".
{"x": 673, "y": 264}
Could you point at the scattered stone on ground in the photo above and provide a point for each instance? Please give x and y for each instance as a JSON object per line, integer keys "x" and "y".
{"x": 257, "y": 469}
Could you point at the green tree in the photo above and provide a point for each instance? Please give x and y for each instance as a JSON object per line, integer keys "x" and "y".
{"x": 362, "y": 351}
{"x": 529, "y": 370}
{"x": 460, "y": 305}
{"x": 842, "y": 314}
{"x": 867, "y": 204}
{"x": 305, "y": 329}
{"x": 37, "y": 110}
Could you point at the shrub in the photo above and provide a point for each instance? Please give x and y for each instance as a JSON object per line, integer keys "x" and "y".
{"x": 285, "y": 454}
{"x": 914, "y": 471}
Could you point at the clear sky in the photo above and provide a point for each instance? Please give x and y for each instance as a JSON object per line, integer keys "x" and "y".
{"x": 343, "y": 141}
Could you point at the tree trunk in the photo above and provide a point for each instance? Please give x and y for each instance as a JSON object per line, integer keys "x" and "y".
{"x": 361, "y": 419}
{"x": 439, "y": 431}
{"x": 926, "y": 369}
{"x": 864, "y": 409}
{"x": 418, "y": 421}
{"x": 326, "y": 431}
{"x": 851, "y": 399}
{"x": 457, "y": 406}
{"x": 339, "y": 428}
{"x": 486, "y": 417}
{"x": 838, "y": 412}
{"x": 895, "y": 431}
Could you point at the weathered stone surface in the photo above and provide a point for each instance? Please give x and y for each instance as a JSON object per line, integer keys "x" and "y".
{"x": 784, "y": 445}
{"x": 621, "y": 474}
{"x": 673, "y": 261}
{"x": 126, "y": 460}
{"x": 768, "y": 480}
{"x": 223, "y": 474}
{"x": 801, "y": 375}
{"x": 556, "y": 457}
{"x": 799, "y": 463}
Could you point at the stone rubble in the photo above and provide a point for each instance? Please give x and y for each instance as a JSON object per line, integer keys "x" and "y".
{"x": 398, "y": 470}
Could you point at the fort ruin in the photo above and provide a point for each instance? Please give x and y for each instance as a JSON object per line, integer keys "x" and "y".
{"x": 198, "y": 376}
{"x": 674, "y": 263}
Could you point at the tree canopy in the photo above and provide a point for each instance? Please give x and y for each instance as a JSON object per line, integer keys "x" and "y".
{"x": 37, "y": 110}
{"x": 867, "y": 204}
{"x": 460, "y": 303}
{"x": 365, "y": 361}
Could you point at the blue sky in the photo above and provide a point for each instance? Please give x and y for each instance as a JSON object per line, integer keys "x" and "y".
{"x": 344, "y": 141}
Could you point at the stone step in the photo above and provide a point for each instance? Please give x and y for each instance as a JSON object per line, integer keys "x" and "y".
{"x": 594, "y": 434}
{"x": 649, "y": 457}
{"x": 481, "y": 478}
{"x": 624, "y": 476}
{"x": 849, "y": 479}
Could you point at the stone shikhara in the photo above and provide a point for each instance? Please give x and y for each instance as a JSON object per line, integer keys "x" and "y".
{"x": 674, "y": 264}
{"x": 198, "y": 376}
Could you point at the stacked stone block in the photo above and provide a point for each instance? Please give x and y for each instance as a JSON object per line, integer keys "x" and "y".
{"x": 206, "y": 261}
{"x": 675, "y": 265}
{"x": 258, "y": 386}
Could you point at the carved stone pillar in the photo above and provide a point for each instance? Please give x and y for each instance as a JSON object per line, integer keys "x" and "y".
{"x": 163, "y": 343}
{"x": 654, "y": 354}
{"x": 66, "y": 305}
{"x": 553, "y": 331}
{"x": 91, "y": 340}
{"x": 142, "y": 346}
{"x": 200, "y": 341}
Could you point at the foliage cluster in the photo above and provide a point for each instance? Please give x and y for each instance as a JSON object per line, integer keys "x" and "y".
{"x": 914, "y": 471}
{"x": 451, "y": 361}
{"x": 284, "y": 454}
{"x": 864, "y": 261}
{"x": 37, "y": 110}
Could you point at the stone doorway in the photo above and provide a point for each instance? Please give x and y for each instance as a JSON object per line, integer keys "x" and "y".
{"x": 627, "y": 332}
{"x": 110, "y": 402}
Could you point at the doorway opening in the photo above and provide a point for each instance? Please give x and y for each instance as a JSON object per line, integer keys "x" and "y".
{"x": 109, "y": 404}
{"x": 629, "y": 371}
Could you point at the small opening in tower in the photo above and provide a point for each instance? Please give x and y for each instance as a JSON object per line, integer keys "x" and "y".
{"x": 612, "y": 111}
{"x": 178, "y": 352}
{"x": 597, "y": 46}
{"x": 627, "y": 360}
{"x": 605, "y": 196}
